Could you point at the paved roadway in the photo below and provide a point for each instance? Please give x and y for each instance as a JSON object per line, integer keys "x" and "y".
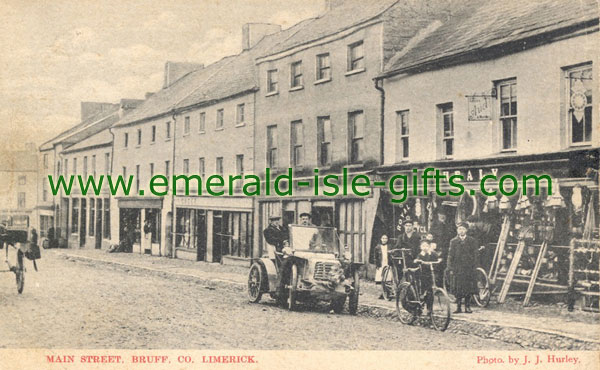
{"x": 74, "y": 304}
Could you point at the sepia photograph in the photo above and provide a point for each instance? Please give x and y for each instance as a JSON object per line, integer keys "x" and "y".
{"x": 299, "y": 183}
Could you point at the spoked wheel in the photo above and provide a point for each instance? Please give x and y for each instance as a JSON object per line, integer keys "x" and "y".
{"x": 292, "y": 288}
{"x": 353, "y": 297}
{"x": 451, "y": 296}
{"x": 255, "y": 278}
{"x": 20, "y": 272}
{"x": 483, "y": 295}
{"x": 407, "y": 303}
{"x": 387, "y": 283}
{"x": 440, "y": 311}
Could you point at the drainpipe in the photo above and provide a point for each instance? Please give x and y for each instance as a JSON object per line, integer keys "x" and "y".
{"x": 173, "y": 218}
{"x": 114, "y": 211}
{"x": 382, "y": 126}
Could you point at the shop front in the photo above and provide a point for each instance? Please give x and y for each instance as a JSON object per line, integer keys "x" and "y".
{"x": 140, "y": 224}
{"x": 214, "y": 229}
{"x": 528, "y": 239}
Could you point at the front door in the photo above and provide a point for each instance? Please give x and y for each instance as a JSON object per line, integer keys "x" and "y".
{"x": 201, "y": 234}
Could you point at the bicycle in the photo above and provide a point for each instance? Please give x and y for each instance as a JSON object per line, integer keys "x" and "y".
{"x": 410, "y": 299}
{"x": 18, "y": 268}
{"x": 483, "y": 295}
{"x": 390, "y": 275}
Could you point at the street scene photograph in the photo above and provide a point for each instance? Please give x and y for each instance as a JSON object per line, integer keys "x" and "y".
{"x": 252, "y": 180}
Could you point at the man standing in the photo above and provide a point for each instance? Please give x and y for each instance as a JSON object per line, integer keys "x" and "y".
{"x": 442, "y": 234}
{"x": 463, "y": 259}
{"x": 409, "y": 239}
{"x": 275, "y": 234}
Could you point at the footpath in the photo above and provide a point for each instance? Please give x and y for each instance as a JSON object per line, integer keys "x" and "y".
{"x": 548, "y": 326}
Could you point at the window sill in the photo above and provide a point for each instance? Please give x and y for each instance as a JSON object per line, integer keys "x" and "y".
{"x": 318, "y": 82}
{"x": 325, "y": 167}
{"x": 272, "y": 93}
{"x": 508, "y": 151}
{"x": 168, "y": 139}
{"x": 138, "y": 146}
{"x": 219, "y": 129}
{"x": 356, "y": 71}
{"x": 188, "y": 134}
{"x": 241, "y": 124}
{"x": 587, "y": 143}
{"x": 297, "y": 88}
{"x": 152, "y": 142}
{"x": 353, "y": 165}
{"x": 201, "y": 132}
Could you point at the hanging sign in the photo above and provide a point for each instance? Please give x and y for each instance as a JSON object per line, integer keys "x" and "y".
{"x": 480, "y": 108}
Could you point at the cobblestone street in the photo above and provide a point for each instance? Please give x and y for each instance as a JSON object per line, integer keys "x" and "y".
{"x": 74, "y": 304}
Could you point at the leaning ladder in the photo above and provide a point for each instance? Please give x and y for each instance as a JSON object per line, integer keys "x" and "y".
{"x": 511, "y": 271}
{"x": 493, "y": 273}
{"x": 536, "y": 270}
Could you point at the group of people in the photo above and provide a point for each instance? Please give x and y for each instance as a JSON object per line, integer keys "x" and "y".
{"x": 458, "y": 258}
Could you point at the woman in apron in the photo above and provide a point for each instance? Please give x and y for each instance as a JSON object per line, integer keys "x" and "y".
{"x": 381, "y": 258}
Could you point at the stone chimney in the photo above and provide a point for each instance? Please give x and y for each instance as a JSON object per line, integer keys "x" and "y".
{"x": 175, "y": 70}
{"x": 252, "y": 33}
{"x": 89, "y": 109}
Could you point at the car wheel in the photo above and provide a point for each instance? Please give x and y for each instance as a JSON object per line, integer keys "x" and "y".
{"x": 353, "y": 298}
{"x": 255, "y": 283}
{"x": 292, "y": 288}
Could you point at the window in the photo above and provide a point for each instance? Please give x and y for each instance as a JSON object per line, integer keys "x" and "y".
{"x": 22, "y": 180}
{"x": 201, "y": 167}
{"x": 296, "y": 144}
{"x": 75, "y": 216}
{"x": 447, "y": 126}
{"x": 139, "y": 137}
{"x": 153, "y": 133}
{"x": 45, "y": 191}
{"x": 272, "y": 146}
{"x": 579, "y": 93}
{"x": 186, "y": 166}
{"x": 106, "y": 230}
{"x": 92, "y": 217}
{"x": 107, "y": 163}
{"x": 124, "y": 172}
{"x": 356, "y": 128}
{"x": 202, "y": 124}
{"x": 323, "y": 67}
{"x": 186, "y": 125}
{"x": 168, "y": 130}
{"x": 94, "y": 165}
{"x": 85, "y": 166}
{"x": 219, "y": 123}
{"x": 356, "y": 57}
{"x": 151, "y": 170}
{"x": 74, "y": 166}
{"x": 137, "y": 178}
{"x": 21, "y": 200}
{"x": 296, "y": 74}
{"x": 402, "y": 148}
{"x": 45, "y": 160}
{"x": 508, "y": 114}
{"x": 272, "y": 81}
{"x": 219, "y": 166}
{"x": 58, "y": 169}
{"x": 239, "y": 164}
{"x": 324, "y": 141}
{"x": 167, "y": 168}
{"x": 125, "y": 140}
{"x": 240, "y": 115}
{"x": 66, "y": 166}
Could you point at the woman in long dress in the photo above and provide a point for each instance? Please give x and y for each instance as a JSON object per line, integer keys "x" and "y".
{"x": 381, "y": 258}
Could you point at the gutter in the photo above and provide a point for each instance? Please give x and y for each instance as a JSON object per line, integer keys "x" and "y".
{"x": 382, "y": 115}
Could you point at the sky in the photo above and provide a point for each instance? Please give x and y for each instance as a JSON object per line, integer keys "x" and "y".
{"x": 57, "y": 53}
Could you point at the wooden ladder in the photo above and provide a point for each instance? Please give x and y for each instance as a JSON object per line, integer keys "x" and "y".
{"x": 536, "y": 270}
{"x": 511, "y": 271}
{"x": 493, "y": 273}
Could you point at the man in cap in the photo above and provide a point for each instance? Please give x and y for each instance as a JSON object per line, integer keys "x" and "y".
{"x": 463, "y": 260}
{"x": 275, "y": 234}
{"x": 409, "y": 239}
{"x": 306, "y": 219}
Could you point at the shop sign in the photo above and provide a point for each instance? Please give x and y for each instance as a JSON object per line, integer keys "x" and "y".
{"x": 480, "y": 107}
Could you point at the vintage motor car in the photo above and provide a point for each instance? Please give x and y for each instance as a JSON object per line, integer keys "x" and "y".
{"x": 313, "y": 266}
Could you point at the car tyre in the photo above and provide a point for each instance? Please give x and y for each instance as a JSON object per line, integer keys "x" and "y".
{"x": 255, "y": 283}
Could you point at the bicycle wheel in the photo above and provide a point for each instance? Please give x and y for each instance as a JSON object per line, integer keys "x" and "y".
{"x": 440, "y": 310}
{"x": 387, "y": 283}
{"x": 451, "y": 296}
{"x": 483, "y": 295}
{"x": 407, "y": 303}
{"x": 20, "y": 272}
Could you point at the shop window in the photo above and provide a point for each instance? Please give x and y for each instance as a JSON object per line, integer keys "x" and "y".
{"x": 580, "y": 85}
{"x": 152, "y": 224}
{"x": 324, "y": 140}
{"x": 508, "y": 114}
{"x": 272, "y": 146}
{"x": 323, "y": 67}
{"x": 296, "y": 144}
{"x": 356, "y": 57}
{"x": 356, "y": 128}
{"x": 296, "y": 79}
{"x": 232, "y": 233}
{"x": 92, "y": 217}
{"x": 446, "y": 124}
{"x": 402, "y": 148}
{"x": 272, "y": 81}
{"x": 75, "y": 216}
{"x": 106, "y": 231}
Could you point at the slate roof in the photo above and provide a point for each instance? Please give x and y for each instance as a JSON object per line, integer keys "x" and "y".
{"x": 352, "y": 13}
{"x": 479, "y": 25}
{"x": 103, "y": 137}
